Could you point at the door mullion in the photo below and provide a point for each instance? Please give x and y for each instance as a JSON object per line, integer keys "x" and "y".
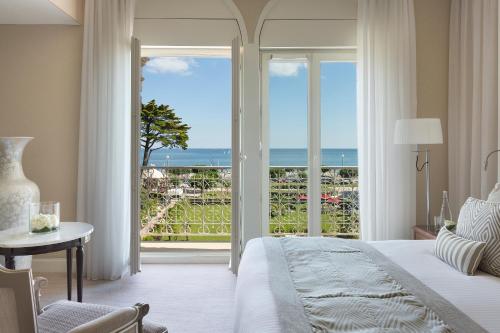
{"x": 265, "y": 143}
{"x": 314, "y": 148}
{"x": 235, "y": 157}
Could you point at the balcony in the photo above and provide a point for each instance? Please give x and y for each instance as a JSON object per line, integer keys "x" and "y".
{"x": 193, "y": 204}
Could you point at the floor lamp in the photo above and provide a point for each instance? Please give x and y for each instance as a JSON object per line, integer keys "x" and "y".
{"x": 421, "y": 131}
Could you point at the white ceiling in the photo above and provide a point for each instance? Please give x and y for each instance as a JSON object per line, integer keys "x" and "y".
{"x": 33, "y": 12}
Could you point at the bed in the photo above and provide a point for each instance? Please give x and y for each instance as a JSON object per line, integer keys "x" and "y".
{"x": 477, "y": 296}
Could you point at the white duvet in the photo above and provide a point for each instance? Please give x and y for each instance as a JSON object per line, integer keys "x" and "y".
{"x": 478, "y": 296}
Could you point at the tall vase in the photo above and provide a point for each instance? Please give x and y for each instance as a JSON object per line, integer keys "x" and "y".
{"x": 16, "y": 192}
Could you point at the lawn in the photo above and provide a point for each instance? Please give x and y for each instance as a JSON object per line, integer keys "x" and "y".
{"x": 184, "y": 222}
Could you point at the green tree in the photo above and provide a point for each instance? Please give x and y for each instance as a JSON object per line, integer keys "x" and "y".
{"x": 348, "y": 173}
{"x": 161, "y": 127}
{"x": 275, "y": 173}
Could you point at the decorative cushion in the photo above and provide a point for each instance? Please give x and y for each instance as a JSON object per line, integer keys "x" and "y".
{"x": 494, "y": 195}
{"x": 63, "y": 316}
{"x": 479, "y": 221}
{"x": 462, "y": 254}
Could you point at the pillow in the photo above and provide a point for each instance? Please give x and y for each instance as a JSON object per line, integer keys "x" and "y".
{"x": 494, "y": 195}
{"x": 462, "y": 254}
{"x": 479, "y": 221}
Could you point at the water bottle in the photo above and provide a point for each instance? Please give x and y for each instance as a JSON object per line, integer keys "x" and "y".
{"x": 445, "y": 217}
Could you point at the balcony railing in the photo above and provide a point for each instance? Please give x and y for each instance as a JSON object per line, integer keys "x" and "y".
{"x": 186, "y": 203}
{"x": 288, "y": 200}
{"x": 194, "y": 203}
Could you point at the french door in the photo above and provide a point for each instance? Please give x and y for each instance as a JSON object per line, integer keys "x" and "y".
{"x": 185, "y": 197}
{"x": 301, "y": 96}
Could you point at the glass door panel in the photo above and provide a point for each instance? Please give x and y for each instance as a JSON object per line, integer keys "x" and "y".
{"x": 288, "y": 85}
{"x": 339, "y": 173}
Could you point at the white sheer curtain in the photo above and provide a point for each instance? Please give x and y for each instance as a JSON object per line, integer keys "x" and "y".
{"x": 473, "y": 99}
{"x": 104, "y": 147}
{"x": 386, "y": 92}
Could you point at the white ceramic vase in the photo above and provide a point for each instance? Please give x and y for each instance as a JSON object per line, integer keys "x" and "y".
{"x": 16, "y": 191}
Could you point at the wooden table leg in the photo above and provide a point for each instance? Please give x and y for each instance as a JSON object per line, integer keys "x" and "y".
{"x": 69, "y": 271}
{"x": 79, "y": 272}
{"x": 10, "y": 262}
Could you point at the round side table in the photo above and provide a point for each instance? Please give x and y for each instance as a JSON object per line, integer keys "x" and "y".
{"x": 70, "y": 235}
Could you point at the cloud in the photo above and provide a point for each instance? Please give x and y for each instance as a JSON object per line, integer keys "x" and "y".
{"x": 174, "y": 65}
{"x": 285, "y": 68}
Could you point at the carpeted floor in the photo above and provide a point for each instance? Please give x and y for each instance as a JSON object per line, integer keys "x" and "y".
{"x": 187, "y": 298}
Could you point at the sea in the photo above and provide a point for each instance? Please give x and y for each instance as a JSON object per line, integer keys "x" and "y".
{"x": 277, "y": 156}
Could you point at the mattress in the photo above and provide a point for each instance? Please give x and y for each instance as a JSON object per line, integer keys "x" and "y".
{"x": 478, "y": 296}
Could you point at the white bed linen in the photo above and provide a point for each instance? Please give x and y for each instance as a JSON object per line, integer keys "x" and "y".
{"x": 478, "y": 296}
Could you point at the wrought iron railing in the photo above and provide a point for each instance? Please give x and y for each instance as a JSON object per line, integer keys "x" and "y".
{"x": 194, "y": 203}
{"x": 186, "y": 203}
{"x": 288, "y": 199}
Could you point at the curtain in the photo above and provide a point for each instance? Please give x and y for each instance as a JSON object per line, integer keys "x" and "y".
{"x": 386, "y": 93}
{"x": 473, "y": 99}
{"x": 103, "y": 197}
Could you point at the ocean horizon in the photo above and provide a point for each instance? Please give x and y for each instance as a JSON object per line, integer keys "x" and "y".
{"x": 222, "y": 157}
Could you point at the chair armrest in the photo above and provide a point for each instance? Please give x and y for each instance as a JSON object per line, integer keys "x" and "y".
{"x": 39, "y": 283}
{"x": 120, "y": 320}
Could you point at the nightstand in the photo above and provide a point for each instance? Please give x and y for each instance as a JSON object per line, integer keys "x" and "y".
{"x": 421, "y": 232}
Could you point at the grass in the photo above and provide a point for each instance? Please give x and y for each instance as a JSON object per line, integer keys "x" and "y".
{"x": 184, "y": 223}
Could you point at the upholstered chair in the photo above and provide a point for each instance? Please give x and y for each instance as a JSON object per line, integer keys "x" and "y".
{"x": 20, "y": 311}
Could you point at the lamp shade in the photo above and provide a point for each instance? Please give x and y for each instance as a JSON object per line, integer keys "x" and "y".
{"x": 421, "y": 131}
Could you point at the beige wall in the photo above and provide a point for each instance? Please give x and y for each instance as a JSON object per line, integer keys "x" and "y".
{"x": 40, "y": 69}
{"x": 432, "y": 28}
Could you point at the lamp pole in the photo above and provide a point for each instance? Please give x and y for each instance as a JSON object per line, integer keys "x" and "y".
{"x": 427, "y": 186}
{"x": 427, "y": 181}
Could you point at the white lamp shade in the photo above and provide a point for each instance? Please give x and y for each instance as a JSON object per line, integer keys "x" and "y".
{"x": 421, "y": 131}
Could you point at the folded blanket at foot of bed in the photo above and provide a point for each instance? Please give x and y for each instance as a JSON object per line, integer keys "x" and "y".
{"x": 335, "y": 285}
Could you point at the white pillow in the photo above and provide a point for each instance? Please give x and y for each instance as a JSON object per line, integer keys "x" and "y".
{"x": 494, "y": 195}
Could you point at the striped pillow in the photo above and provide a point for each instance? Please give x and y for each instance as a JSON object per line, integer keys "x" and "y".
{"x": 479, "y": 221}
{"x": 462, "y": 254}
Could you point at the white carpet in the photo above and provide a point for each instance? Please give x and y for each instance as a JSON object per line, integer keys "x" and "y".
{"x": 187, "y": 298}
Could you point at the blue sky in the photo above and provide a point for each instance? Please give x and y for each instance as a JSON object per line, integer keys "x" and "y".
{"x": 199, "y": 89}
